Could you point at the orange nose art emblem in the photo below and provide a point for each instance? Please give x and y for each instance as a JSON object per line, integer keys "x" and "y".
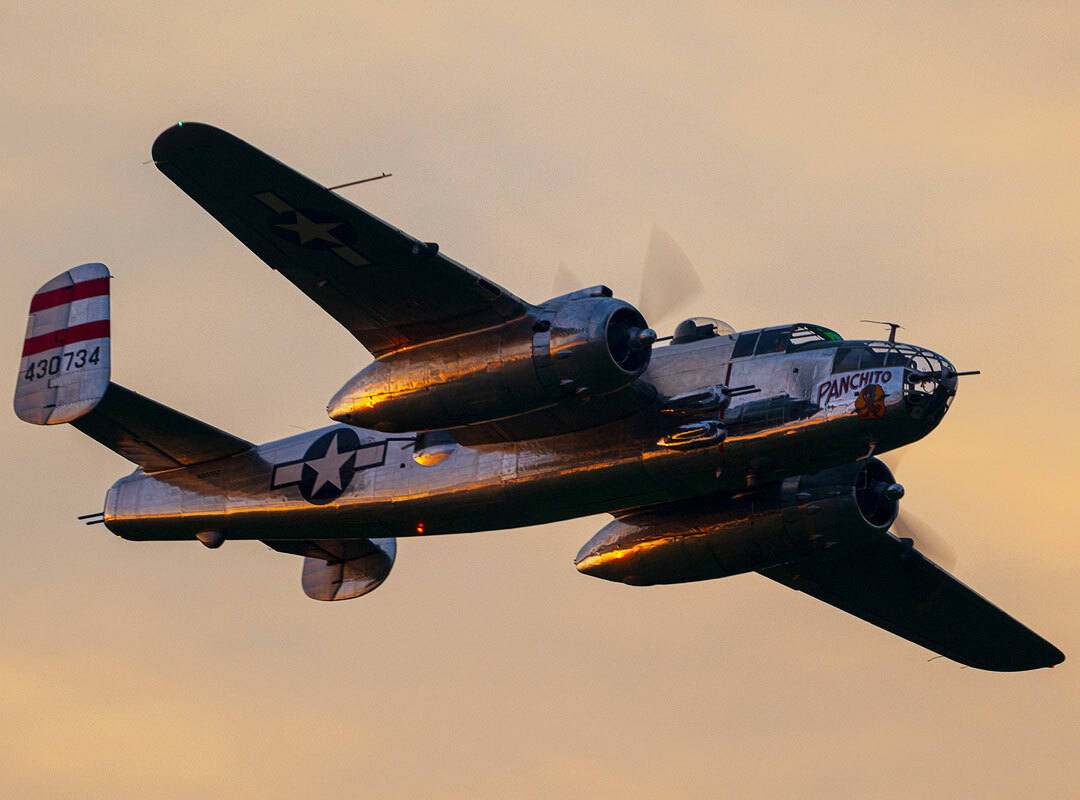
{"x": 870, "y": 404}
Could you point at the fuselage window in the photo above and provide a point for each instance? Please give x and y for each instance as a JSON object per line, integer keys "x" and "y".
{"x": 850, "y": 358}
{"x": 847, "y": 359}
{"x": 869, "y": 359}
{"x": 744, "y": 345}
{"x": 897, "y": 360}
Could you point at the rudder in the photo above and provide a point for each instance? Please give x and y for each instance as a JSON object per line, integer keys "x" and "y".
{"x": 64, "y": 369}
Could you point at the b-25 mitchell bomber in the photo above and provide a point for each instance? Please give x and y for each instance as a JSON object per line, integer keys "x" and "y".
{"x": 716, "y": 452}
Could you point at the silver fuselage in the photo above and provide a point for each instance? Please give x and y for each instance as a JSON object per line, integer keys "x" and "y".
{"x": 803, "y": 419}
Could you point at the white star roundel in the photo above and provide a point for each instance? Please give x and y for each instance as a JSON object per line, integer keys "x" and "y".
{"x": 311, "y": 228}
{"x": 328, "y": 465}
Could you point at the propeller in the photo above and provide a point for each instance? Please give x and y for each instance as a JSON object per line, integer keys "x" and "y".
{"x": 564, "y": 281}
{"x": 927, "y": 541}
{"x": 909, "y": 526}
{"x": 668, "y": 279}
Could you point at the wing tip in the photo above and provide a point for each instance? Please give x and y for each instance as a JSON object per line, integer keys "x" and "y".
{"x": 1042, "y": 655}
{"x": 182, "y": 136}
{"x": 1052, "y": 657}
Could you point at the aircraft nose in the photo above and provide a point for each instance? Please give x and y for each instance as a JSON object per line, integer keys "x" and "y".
{"x": 930, "y": 386}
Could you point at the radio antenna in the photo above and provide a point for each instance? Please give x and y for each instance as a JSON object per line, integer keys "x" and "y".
{"x": 362, "y": 180}
{"x": 892, "y": 327}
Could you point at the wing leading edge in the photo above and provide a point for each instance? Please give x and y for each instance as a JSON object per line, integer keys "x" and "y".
{"x": 153, "y": 435}
{"x": 388, "y": 289}
{"x": 897, "y": 588}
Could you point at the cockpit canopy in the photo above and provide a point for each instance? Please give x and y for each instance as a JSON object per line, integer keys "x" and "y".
{"x": 784, "y": 339}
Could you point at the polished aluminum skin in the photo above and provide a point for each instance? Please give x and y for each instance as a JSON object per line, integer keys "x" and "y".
{"x": 714, "y": 537}
{"x": 64, "y": 368}
{"x": 768, "y": 436}
{"x": 717, "y": 452}
{"x": 585, "y": 343}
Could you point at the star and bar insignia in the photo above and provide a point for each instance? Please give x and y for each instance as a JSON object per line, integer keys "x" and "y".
{"x": 311, "y": 228}
{"x": 328, "y": 465}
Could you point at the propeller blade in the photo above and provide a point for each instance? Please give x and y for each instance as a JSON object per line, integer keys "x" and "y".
{"x": 908, "y": 526}
{"x": 927, "y": 541}
{"x": 893, "y": 460}
{"x": 565, "y": 281}
{"x": 668, "y": 281}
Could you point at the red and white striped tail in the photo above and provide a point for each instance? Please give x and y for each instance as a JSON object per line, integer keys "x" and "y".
{"x": 64, "y": 370}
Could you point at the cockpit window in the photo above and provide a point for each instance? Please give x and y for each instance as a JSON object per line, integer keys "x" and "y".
{"x": 788, "y": 338}
{"x": 774, "y": 340}
{"x": 805, "y": 336}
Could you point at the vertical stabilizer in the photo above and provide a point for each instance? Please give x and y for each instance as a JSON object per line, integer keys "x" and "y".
{"x": 64, "y": 370}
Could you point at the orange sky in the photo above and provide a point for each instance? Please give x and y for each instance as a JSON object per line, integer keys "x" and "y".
{"x": 827, "y": 164}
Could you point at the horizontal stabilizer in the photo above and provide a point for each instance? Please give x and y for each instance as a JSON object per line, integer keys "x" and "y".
{"x": 339, "y": 569}
{"x": 64, "y": 369}
{"x": 893, "y": 586}
{"x": 152, "y": 435}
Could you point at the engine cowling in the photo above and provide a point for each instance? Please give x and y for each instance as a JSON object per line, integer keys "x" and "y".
{"x": 716, "y": 538}
{"x": 583, "y": 343}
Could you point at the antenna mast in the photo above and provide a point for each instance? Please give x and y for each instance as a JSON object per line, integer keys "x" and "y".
{"x": 893, "y": 326}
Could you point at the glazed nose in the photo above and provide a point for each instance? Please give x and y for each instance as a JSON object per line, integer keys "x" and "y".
{"x": 929, "y": 392}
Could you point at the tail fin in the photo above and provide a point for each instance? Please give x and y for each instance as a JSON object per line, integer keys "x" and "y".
{"x": 64, "y": 377}
{"x": 64, "y": 370}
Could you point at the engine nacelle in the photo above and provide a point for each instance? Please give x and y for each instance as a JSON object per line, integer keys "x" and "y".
{"x": 582, "y": 343}
{"x": 717, "y": 538}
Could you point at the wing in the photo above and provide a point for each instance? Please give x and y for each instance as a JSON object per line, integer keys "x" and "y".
{"x": 898, "y": 589}
{"x": 387, "y": 288}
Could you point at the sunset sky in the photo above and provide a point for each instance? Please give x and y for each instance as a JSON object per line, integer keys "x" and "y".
{"x": 818, "y": 162}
